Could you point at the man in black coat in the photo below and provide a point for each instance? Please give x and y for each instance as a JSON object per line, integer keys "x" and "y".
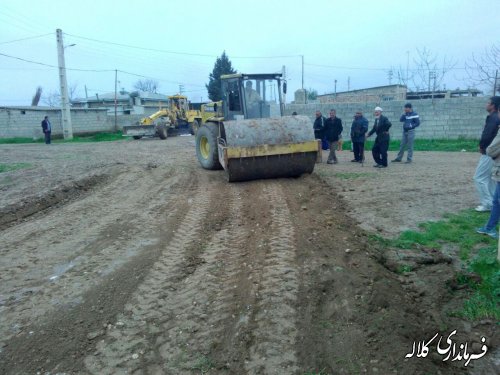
{"x": 319, "y": 125}
{"x": 359, "y": 128}
{"x": 333, "y": 129}
{"x": 381, "y": 127}
{"x": 47, "y": 129}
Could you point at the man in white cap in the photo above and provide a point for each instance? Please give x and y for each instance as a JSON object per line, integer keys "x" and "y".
{"x": 381, "y": 127}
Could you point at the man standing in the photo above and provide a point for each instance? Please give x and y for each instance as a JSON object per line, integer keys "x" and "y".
{"x": 484, "y": 184}
{"x": 381, "y": 127}
{"x": 319, "y": 125}
{"x": 359, "y": 128}
{"x": 333, "y": 130}
{"x": 410, "y": 121}
{"x": 47, "y": 129}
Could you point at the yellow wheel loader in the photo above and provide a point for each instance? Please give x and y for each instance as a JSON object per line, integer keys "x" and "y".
{"x": 160, "y": 123}
{"x": 250, "y": 138}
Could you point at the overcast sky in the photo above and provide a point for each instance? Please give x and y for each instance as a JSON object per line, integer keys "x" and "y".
{"x": 177, "y": 42}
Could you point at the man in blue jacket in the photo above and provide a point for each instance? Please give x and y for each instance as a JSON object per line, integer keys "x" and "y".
{"x": 359, "y": 128}
{"x": 410, "y": 121}
{"x": 47, "y": 129}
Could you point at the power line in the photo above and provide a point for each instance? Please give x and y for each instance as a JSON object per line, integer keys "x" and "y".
{"x": 31, "y": 37}
{"x": 53, "y": 66}
{"x": 176, "y": 52}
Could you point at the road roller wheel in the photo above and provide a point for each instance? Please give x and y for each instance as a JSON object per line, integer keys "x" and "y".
{"x": 206, "y": 147}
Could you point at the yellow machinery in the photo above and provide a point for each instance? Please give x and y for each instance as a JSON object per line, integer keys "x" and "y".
{"x": 159, "y": 123}
{"x": 250, "y": 138}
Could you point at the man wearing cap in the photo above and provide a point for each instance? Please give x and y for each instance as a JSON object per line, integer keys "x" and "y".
{"x": 410, "y": 121}
{"x": 381, "y": 127}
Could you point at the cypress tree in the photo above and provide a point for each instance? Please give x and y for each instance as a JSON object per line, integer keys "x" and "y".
{"x": 222, "y": 66}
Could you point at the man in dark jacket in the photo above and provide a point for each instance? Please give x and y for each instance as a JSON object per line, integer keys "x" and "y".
{"x": 333, "y": 129}
{"x": 411, "y": 121}
{"x": 484, "y": 184}
{"x": 47, "y": 129}
{"x": 381, "y": 127}
{"x": 319, "y": 125}
{"x": 359, "y": 128}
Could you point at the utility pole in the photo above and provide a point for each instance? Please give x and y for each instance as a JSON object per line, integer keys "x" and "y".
{"x": 335, "y": 89}
{"x": 348, "y": 83}
{"x": 302, "y": 71}
{"x": 181, "y": 88}
{"x": 407, "y": 66}
{"x": 116, "y": 103}
{"x": 495, "y": 86}
{"x": 65, "y": 110}
{"x": 86, "y": 94}
{"x": 283, "y": 70}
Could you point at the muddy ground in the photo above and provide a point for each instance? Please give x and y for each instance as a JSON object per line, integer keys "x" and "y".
{"x": 128, "y": 258}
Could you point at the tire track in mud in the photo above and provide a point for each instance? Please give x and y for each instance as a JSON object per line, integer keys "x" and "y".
{"x": 136, "y": 338}
{"x": 275, "y": 333}
{"x": 72, "y": 322}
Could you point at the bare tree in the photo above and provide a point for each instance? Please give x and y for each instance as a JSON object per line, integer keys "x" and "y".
{"x": 427, "y": 73}
{"x": 482, "y": 69}
{"x": 148, "y": 85}
{"x": 36, "y": 98}
{"x": 53, "y": 98}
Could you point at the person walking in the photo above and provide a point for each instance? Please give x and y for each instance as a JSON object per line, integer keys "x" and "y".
{"x": 493, "y": 151}
{"x": 381, "y": 127}
{"x": 47, "y": 129}
{"x": 411, "y": 121}
{"x": 359, "y": 128}
{"x": 333, "y": 131}
{"x": 485, "y": 186}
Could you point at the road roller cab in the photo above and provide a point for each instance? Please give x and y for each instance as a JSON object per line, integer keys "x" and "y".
{"x": 252, "y": 139}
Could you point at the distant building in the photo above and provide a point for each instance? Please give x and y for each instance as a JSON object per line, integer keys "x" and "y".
{"x": 393, "y": 92}
{"x": 127, "y": 103}
{"x": 372, "y": 94}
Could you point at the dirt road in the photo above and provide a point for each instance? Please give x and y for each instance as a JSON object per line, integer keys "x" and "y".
{"x": 127, "y": 257}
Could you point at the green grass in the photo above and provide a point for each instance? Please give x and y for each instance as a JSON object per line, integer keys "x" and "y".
{"x": 459, "y": 230}
{"x": 316, "y": 372}
{"x": 353, "y": 175}
{"x": 97, "y": 137}
{"x": 470, "y": 145}
{"x": 4, "y": 167}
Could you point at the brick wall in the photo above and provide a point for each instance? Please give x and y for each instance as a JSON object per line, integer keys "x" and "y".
{"x": 440, "y": 118}
{"x": 26, "y": 121}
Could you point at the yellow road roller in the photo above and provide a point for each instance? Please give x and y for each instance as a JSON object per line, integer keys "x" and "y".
{"x": 250, "y": 138}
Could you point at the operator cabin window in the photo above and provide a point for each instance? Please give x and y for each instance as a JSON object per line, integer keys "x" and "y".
{"x": 234, "y": 97}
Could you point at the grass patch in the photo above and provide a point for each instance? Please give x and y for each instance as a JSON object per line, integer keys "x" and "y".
{"x": 96, "y": 137}
{"x": 459, "y": 230}
{"x": 4, "y": 167}
{"x": 460, "y": 144}
{"x": 316, "y": 372}
{"x": 204, "y": 364}
{"x": 352, "y": 175}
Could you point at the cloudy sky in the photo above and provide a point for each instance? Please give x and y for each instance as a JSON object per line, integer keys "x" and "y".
{"x": 176, "y": 42}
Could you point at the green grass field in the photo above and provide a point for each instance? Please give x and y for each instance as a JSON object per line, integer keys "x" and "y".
{"x": 4, "y": 167}
{"x": 98, "y": 137}
{"x": 470, "y": 145}
{"x": 478, "y": 254}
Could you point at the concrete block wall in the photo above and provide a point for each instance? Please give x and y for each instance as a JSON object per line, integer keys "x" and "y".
{"x": 451, "y": 118}
{"x": 26, "y": 121}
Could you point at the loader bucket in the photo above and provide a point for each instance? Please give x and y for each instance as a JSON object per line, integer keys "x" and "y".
{"x": 268, "y": 148}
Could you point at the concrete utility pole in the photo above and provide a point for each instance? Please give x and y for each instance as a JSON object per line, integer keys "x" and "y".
{"x": 116, "y": 103}
{"x": 302, "y": 71}
{"x": 283, "y": 71}
{"x": 495, "y": 86}
{"x": 65, "y": 109}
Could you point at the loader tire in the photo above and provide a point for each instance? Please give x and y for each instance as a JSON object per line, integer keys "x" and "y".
{"x": 206, "y": 147}
{"x": 193, "y": 127}
{"x": 161, "y": 130}
{"x": 137, "y": 136}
